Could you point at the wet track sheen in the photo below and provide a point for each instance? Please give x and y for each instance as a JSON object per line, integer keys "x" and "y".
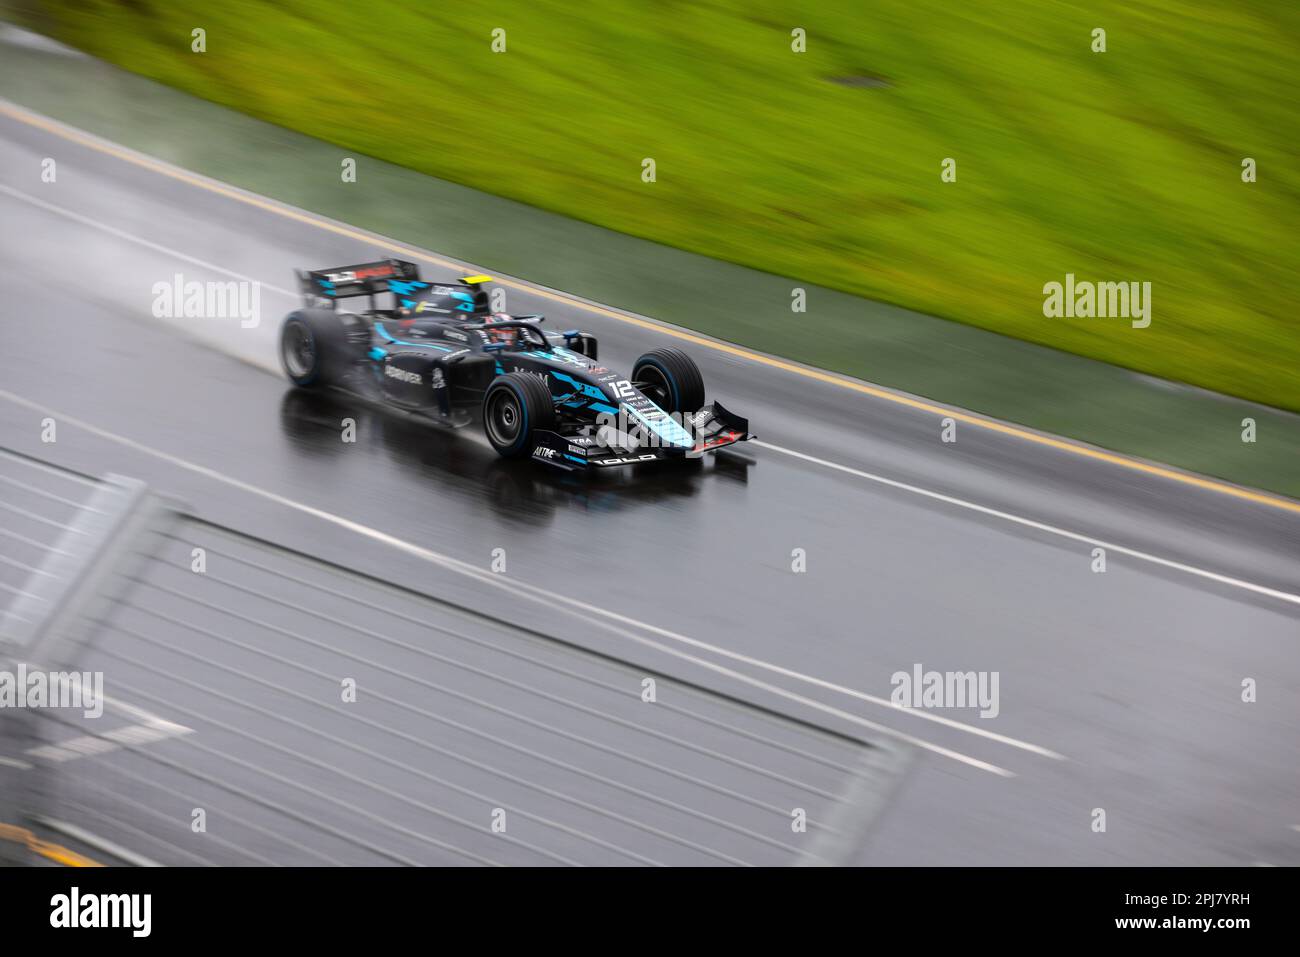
{"x": 1132, "y": 677}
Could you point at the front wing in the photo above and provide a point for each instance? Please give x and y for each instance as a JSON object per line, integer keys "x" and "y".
{"x": 713, "y": 428}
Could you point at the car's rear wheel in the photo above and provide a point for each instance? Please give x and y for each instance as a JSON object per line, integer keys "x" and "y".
{"x": 671, "y": 379}
{"x": 315, "y": 350}
{"x": 515, "y": 406}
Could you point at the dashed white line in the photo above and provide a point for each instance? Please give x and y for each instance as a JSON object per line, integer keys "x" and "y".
{"x": 89, "y": 745}
{"x": 150, "y": 730}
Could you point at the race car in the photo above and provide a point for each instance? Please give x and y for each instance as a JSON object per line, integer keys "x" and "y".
{"x": 436, "y": 349}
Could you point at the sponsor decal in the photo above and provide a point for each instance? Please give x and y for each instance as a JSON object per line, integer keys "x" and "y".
{"x": 544, "y": 453}
{"x": 355, "y": 275}
{"x": 532, "y": 372}
{"x": 458, "y": 336}
{"x": 577, "y": 450}
{"x": 572, "y": 358}
{"x": 726, "y": 438}
{"x": 437, "y": 380}
{"x": 627, "y": 460}
{"x": 402, "y": 375}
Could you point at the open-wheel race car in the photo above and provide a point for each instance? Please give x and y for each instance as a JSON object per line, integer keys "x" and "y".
{"x": 438, "y": 350}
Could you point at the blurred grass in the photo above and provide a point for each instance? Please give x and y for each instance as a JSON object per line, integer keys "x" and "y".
{"x": 1117, "y": 166}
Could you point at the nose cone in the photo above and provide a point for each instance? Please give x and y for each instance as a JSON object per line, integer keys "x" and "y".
{"x": 669, "y": 433}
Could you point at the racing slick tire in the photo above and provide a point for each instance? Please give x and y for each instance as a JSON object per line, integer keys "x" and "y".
{"x": 672, "y": 376}
{"x": 315, "y": 350}
{"x": 514, "y": 406}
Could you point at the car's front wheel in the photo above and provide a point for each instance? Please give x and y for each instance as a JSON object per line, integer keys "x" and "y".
{"x": 671, "y": 379}
{"x": 514, "y": 407}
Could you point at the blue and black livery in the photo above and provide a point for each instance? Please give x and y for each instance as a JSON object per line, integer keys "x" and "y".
{"x": 437, "y": 349}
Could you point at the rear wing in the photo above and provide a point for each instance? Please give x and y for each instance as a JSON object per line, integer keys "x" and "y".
{"x": 400, "y": 278}
{"x": 363, "y": 279}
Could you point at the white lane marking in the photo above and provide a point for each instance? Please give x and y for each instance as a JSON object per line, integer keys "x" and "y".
{"x": 89, "y": 745}
{"x": 91, "y": 839}
{"x": 139, "y": 240}
{"x": 150, "y": 730}
{"x": 12, "y": 763}
{"x": 1039, "y": 526}
{"x": 590, "y": 614}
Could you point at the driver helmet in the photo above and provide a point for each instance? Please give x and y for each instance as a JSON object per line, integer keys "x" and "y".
{"x": 507, "y": 335}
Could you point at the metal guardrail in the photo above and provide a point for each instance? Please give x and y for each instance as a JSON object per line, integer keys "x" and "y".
{"x": 38, "y": 508}
{"x": 68, "y": 534}
{"x": 305, "y": 713}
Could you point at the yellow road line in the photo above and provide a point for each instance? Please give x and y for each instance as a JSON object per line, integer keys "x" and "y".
{"x": 1112, "y": 458}
{"x": 53, "y": 852}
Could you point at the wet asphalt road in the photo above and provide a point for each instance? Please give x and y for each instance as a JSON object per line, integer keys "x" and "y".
{"x": 1133, "y": 676}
